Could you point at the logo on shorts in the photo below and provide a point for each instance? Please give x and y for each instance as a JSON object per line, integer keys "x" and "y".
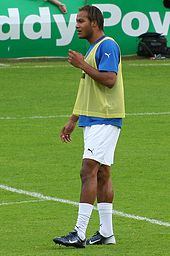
{"x": 91, "y": 150}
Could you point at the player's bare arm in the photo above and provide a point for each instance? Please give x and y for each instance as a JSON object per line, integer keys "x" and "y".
{"x": 68, "y": 128}
{"x": 107, "y": 79}
{"x": 60, "y": 5}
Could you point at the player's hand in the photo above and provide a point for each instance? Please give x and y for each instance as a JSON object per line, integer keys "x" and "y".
{"x": 63, "y": 8}
{"x": 66, "y": 131}
{"x": 75, "y": 58}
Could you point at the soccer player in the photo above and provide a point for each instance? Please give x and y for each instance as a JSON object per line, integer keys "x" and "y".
{"x": 99, "y": 107}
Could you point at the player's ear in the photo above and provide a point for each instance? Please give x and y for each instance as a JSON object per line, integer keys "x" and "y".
{"x": 94, "y": 24}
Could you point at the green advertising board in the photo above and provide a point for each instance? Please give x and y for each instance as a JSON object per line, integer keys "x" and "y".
{"x": 126, "y": 20}
{"x": 35, "y": 28}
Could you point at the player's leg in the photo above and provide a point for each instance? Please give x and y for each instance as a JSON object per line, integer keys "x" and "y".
{"x": 88, "y": 176}
{"x": 105, "y": 234}
{"x": 88, "y": 195}
{"x": 105, "y": 199}
{"x": 104, "y": 185}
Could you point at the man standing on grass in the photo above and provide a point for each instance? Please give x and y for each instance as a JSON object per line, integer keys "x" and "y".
{"x": 99, "y": 107}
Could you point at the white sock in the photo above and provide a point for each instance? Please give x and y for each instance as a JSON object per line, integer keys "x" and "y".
{"x": 105, "y": 215}
{"x": 84, "y": 214}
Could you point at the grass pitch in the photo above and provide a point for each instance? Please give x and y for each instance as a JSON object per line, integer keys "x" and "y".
{"x": 35, "y": 99}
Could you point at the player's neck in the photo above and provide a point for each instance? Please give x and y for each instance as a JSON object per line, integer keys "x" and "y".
{"x": 95, "y": 37}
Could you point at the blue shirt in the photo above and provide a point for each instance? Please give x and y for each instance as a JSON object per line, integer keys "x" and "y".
{"x": 109, "y": 49}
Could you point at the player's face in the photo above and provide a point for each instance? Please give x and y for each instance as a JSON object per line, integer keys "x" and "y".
{"x": 83, "y": 25}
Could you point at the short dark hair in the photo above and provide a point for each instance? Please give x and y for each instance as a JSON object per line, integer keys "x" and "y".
{"x": 94, "y": 14}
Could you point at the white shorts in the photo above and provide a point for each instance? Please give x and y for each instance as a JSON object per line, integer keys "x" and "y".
{"x": 100, "y": 143}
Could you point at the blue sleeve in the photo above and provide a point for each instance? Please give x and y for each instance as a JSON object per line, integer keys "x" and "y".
{"x": 108, "y": 56}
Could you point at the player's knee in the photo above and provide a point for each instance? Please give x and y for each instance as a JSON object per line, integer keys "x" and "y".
{"x": 103, "y": 174}
{"x": 89, "y": 170}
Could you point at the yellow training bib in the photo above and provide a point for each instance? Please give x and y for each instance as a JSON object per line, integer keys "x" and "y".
{"x": 95, "y": 99}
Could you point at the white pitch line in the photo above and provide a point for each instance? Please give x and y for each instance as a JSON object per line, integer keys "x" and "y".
{"x": 21, "y": 202}
{"x": 32, "y": 67}
{"x": 66, "y": 115}
{"x": 49, "y": 198}
{"x": 148, "y": 64}
{"x": 14, "y": 66}
{"x": 148, "y": 114}
{"x": 4, "y": 65}
{"x": 32, "y": 117}
{"x": 132, "y": 216}
{"x": 36, "y": 195}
